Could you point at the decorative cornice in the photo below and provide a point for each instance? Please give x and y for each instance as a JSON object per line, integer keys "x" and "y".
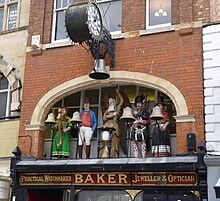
{"x": 30, "y": 127}
{"x": 185, "y": 118}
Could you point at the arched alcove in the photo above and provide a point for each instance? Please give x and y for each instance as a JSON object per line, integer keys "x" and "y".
{"x": 116, "y": 77}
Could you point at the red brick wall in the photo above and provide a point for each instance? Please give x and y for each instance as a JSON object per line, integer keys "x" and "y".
{"x": 215, "y": 10}
{"x": 32, "y": 143}
{"x": 133, "y": 15}
{"x": 170, "y": 55}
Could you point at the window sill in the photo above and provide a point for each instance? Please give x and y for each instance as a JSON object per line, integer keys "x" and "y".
{"x": 157, "y": 30}
{"x": 114, "y": 36}
{"x": 13, "y": 30}
{"x": 58, "y": 44}
{"x": 12, "y": 118}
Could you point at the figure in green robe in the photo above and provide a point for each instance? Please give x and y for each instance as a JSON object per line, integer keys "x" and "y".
{"x": 61, "y": 144}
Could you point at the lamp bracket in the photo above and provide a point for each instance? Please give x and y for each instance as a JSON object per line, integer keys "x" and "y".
{"x": 99, "y": 49}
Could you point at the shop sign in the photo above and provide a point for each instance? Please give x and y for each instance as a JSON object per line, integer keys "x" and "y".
{"x": 111, "y": 178}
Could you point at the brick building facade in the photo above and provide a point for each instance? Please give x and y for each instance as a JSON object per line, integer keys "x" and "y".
{"x": 163, "y": 60}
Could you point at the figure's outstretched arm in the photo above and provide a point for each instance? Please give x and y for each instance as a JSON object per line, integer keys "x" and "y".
{"x": 121, "y": 100}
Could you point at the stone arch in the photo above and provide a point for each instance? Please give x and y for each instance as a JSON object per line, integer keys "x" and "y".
{"x": 116, "y": 77}
{"x": 14, "y": 83}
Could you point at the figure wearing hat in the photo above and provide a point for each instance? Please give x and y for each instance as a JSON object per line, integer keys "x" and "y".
{"x": 87, "y": 128}
{"x": 139, "y": 131}
{"x": 110, "y": 119}
{"x": 160, "y": 136}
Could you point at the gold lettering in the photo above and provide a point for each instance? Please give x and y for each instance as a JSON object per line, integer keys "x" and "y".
{"x": 23, "y": 179}
{"x": 170, "y": 178}
{"x": 89, "y": 179}
{"x": 123, "y": 177}
{"x": 46, "y": 178}
{"x": 164, "y": 178}
{"x": 135, "y": 179}
{"x": 111, "y": 179}
{"x": 78, "y": 178}
{"x": 100, "y": 178}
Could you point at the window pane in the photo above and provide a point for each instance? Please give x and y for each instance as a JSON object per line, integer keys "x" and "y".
{"x": 3, "y": 102}
{"x": 2, "y": 2}
{"x": 111, "y": 15}
{"x": 60, "y": 28}
{"x": 1, "y": 18}
{"x": 12, "y": 17}
{"x": 160, "y": 12}
{"x": 3, "y": 82}
{"x": 64, "y": 3}
{"x": 93, "y": 95}
{"x": 150, "y": 93}
{"x": 72, "y": 100}
{"x": 58, "y": 104}
{"x": 108, "y": 91}
{"x": 130, "y": 91}
{"x": 12, "y": 1}
{"x": 96, "y": 195}
{"x": 58, "y": 5}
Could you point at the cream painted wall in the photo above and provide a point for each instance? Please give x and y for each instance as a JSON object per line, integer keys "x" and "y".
{"x": 13, "y": 50}
{"x": 215, "y": 10}
{"x": 24, "y": 13}
{"x": 14, "y": 43}
{"x": 9, "y": 135}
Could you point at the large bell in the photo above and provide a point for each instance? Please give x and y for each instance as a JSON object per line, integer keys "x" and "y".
{"x": 99, "y": 72}
{"x": 50, "y": 119}
{"x": 156, "y": 114}
{"x": 127, "y": 115}
{"x": 76, "y": 118}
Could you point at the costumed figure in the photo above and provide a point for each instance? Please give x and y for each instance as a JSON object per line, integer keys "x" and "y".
{"x": 61, "y": 144}
{"x": 160, "y": 137}
{"x": 139, "y": 131}
{"x": 87, "y": 128}
{"x": 110, "y": 134}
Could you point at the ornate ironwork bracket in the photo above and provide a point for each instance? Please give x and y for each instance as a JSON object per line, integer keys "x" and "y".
{"x": 99, "y": 49}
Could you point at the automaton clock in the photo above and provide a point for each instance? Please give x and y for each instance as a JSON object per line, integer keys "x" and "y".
{"x": 83, "y": 22}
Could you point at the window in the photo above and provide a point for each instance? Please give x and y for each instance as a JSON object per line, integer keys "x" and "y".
{"x": 8, "y": 14}
{"x": 4, "y": 96}
{"x": 111, "y": 12}
{"x": 158, "y": 13}
{"x": 107, "y": 195}
{"x": 60, "y": 6}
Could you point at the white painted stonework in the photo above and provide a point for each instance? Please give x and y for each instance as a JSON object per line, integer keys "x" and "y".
{"x": 211, "y": 63}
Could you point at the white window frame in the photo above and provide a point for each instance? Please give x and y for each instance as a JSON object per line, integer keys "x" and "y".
{"x": 54, "y": 23}
{"x": 5, "y": 6}
{"x": 55, "y": 20}
{"x": 8, "y": 103}
{"x": 147, "y": 18}
{"x": 106, "y": 1}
